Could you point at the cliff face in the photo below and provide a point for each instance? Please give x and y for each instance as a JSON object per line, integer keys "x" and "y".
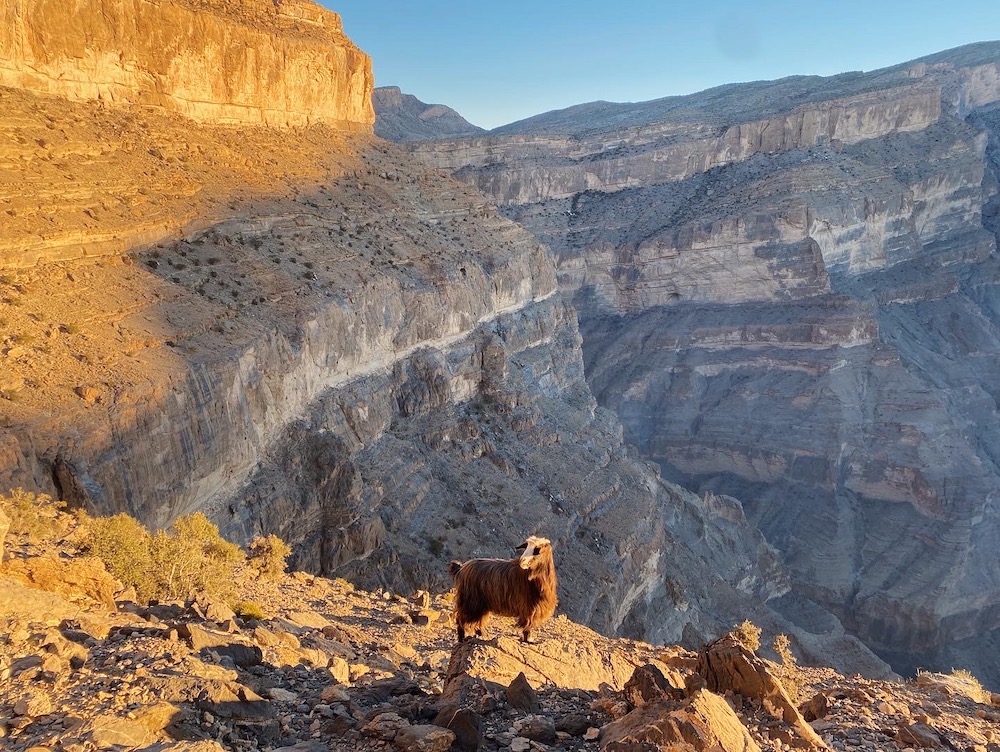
{"x": 283, "y": 63}
{"x": 524, "y": 168}
{"x": 307, "y": 332}
{"x": 787, "y": 293}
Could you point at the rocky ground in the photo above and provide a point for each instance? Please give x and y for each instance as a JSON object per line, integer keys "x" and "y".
{"x": 331, "y": 667}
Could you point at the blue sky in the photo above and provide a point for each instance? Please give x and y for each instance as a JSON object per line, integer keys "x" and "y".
{"x": 500, "y": 62}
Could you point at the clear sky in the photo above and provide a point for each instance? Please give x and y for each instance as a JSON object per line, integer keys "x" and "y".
{"x": 497, "y": 62}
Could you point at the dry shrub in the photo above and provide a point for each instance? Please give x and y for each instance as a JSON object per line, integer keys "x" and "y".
{"x": 748, "y": 634}
{"x": 249, "y": 610}
{"x": 782, "y": 646}
{"x": 268, "y": 555}
{"x": 189, "y": 558}
{"x": 969, "y": 685}
{"x": 125, "y": 547}
{"x": 788, "y": 672}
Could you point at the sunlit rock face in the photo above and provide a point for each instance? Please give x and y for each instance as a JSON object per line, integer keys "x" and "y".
{"x": 250, "y": 62}
{"x": 787, "y": 293}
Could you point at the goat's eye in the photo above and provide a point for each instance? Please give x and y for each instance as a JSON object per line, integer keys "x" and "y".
{"x": 537, "y": 551}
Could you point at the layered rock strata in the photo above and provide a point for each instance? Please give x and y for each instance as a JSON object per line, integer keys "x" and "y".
{"x": 787, "y": 294}
{"x": 354, "y": 352}
{"x": 254, "y": 62}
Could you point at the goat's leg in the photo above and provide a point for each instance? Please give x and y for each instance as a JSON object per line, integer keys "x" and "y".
{"x": 461, "y": 633}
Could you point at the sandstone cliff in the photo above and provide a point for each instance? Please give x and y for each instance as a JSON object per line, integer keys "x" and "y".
{"x": 306, "y": 332}
{"x": 787, "y": 293}
{"x": 284, "y": 63}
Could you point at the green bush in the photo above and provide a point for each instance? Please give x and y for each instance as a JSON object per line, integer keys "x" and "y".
{"x": 193, "y": 558}
{"x": 126, "y": 548}
{"x": 189, "y": 558}
{"x": 249, "y": 610}
{"x": 268, "y": 555}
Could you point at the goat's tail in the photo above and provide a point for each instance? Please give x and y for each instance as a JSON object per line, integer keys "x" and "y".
{"x": 453, "y": 568}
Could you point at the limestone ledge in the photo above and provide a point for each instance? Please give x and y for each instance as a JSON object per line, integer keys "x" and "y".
{"x": 260, "y": 63}
{"x": 524, "y": 169}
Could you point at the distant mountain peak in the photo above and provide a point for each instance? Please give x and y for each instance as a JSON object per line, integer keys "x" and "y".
{"x": 403, "y": 117}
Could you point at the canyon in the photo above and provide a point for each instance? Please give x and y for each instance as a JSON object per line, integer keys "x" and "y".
{"x": 787, "y": 294}
{"x": 212, "y": 303}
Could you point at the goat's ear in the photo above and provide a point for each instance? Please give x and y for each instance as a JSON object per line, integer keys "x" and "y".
{"x": 521, "y": 547}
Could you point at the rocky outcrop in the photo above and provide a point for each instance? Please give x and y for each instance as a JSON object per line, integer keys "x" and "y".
{"x": 252, "y": 62}
{"x": 403, "y": 117}
{"x": 704, "y": 722}
{"x": 799, "y": 278}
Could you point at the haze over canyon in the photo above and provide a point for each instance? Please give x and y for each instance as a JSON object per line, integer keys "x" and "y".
{"x": 734, "y": 353}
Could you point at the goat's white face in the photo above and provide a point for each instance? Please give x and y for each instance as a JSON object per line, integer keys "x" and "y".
{"x": 533, "y": 547}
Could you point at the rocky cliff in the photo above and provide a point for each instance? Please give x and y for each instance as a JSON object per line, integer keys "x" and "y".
{"x": 403, "y": 117}
{"x": 307, "y": 332}
{"x": 787, "y": 293}
{"x": 284, "y": 63}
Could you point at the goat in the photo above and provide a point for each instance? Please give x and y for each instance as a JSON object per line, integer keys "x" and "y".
{"x": 524, "y": 588}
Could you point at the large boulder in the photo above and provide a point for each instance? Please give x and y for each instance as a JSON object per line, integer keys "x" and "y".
{"x": 80, "y": 579}
{"x": 704, "y": 722}
{"x": 727, "y": 665}
{"x": 585, "y": 662}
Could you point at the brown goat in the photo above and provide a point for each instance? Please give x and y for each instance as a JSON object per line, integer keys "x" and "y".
{"x": 524, "y": 588}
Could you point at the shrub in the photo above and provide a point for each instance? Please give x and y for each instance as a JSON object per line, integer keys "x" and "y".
{"x": 268, "y": 556}
{"x": 972, "y": 687}
{"x": 249, "y": 610}
{"x": 788, "y": 672}
{"x": 782, "y": 646}
{"x": 125, "y": 547}
{"x": 190, "y": 558}
{"x": 748, "y": 635}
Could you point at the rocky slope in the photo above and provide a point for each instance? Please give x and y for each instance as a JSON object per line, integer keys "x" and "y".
{"x": 306, "y": 332}
{"x": 403, "y": 117}
{"x": 327, "y": 666}
{"x": 787, "y": 293}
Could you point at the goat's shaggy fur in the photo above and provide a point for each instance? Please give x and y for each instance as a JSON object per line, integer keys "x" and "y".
{"x": 524, "y": 588}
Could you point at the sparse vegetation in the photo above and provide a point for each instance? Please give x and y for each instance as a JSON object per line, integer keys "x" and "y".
{"x": 782, "y": 646}
{"x": 268, "y": 555}
{"x": 788, "y": 671}
{"x": 190, "y": 558}
{"x": 249, "y": 610}
{"x": 973, "y": 685}
{"x": 748, "y": 635}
